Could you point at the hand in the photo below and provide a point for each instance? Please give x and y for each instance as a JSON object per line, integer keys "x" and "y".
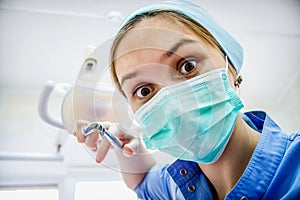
{"x": 130, "y": 147}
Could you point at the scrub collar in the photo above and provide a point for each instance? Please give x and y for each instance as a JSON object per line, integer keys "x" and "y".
{"x": 228, "y": 44}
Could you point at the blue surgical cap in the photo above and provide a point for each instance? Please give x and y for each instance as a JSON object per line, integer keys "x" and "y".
{"x": 229, "y": 45}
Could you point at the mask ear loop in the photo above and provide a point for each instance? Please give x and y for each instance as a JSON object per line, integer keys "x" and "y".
{"x": 239, "y": 77}
{"x": 226, "y": 63}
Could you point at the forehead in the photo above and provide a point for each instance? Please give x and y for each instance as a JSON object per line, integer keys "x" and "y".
{"x": 150, "y": 40}
{"x": 158, "y": 32}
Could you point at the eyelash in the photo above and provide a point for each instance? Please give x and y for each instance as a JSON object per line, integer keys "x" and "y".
{"x": 141, "y": 87}
{"x": 184, "y": 61}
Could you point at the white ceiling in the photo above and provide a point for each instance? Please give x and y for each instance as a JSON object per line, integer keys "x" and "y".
{"x": 45, "y": 40}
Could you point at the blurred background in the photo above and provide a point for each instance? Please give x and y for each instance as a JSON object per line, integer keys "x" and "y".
{"x": 44, "y": 40}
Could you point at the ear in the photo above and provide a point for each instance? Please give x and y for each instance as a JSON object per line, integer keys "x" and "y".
{"x": 238, "y": 81}
{"x": 232, "y": 76}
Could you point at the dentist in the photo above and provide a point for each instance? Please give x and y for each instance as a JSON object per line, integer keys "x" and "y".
{"x": 179, "y": 71}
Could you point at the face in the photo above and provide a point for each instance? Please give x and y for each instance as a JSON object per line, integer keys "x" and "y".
{"x": 159, "y": 52}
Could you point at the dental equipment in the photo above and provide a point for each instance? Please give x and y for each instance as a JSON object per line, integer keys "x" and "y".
{"x": 97, "y": 127}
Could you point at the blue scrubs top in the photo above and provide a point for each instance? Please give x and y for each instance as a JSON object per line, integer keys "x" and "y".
{"x": 272, "y": 173}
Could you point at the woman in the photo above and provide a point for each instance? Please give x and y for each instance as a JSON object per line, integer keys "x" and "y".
{"x": 178, "y": 70}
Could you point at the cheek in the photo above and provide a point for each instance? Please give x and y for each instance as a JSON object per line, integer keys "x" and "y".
{"x": 134, "y": 105}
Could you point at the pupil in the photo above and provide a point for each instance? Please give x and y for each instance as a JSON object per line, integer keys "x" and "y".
{"x": 145, "y": 91}
{"x": 189, "y": 66}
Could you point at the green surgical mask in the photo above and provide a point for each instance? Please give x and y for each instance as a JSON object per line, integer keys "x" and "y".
{"x": 192, "y": 120}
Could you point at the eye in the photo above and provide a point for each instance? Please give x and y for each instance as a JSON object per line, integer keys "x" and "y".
{"x": 188, "y": 66}
{"x": 143, "y": 91}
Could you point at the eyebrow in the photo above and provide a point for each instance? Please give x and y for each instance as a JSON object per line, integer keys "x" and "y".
{"x": 128, "y": 76}
{"x": 175, "y": 48}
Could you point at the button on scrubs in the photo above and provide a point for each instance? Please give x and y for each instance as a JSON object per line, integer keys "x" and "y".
{"x": 272, "y": 173}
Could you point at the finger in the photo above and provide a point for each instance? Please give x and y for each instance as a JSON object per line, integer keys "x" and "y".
{"x": 109, "y": 126}
{"x": 116, "y": 129}
{"x": 132, "y": 147}
{"x": 78, "y": 137}
{"x": 103, "y": 148}
{"x": 91, "y": 140}
{"x": 78, "y": 132}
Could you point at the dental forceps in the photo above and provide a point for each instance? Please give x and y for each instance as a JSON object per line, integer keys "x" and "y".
{"x": 103, "y": 133}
